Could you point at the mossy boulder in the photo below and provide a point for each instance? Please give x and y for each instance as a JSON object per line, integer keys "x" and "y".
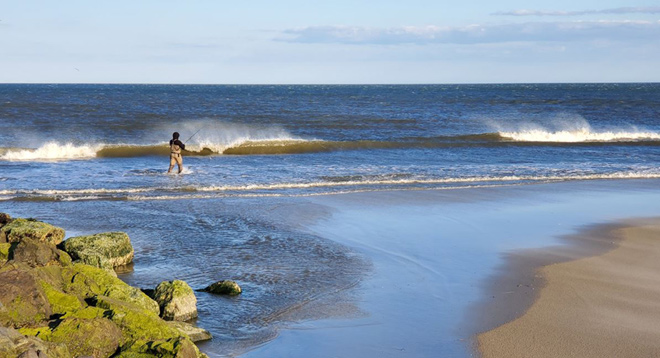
{"x": 97, "y": 337}
{"x": 60, "y": 302}
{"x": 34, "y": 253}
{"x": 22, "y": 300}
{"x": 195, "y": 334}
{"x": 18, "y": 229}
{"x": 181, "y": 347}
{"x": 230, "y": 288}
{"x": 177, "y": 300}
{"x": 86, "y": 282}
{"x": 14, "y": 344}
{"x": 4, "y": 219}
{"x": 4, "y": 252}
{"x": 105, "y": 250}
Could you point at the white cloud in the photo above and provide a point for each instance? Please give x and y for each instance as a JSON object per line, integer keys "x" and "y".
{"x": 604, "y": 30}
{"x": 617, "y": 11}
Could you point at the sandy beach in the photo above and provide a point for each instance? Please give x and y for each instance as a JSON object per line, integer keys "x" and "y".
{"x": 607, "y": 305}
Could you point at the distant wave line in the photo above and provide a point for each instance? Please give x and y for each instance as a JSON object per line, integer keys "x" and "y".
{"x": 70, "y": 151}
{"x": 108, "y": 193}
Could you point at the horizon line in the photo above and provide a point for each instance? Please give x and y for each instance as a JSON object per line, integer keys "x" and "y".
{"x": 326, "y": 84}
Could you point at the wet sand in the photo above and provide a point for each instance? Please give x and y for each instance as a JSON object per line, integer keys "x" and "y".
{"x": 431, "y": 252}
{"x": 607, "y": 305}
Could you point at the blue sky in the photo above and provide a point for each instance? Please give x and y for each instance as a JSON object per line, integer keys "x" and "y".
{"x": 284, "y": 42}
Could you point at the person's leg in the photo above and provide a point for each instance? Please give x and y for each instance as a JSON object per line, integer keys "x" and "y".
{"x": 172, "y": 162}
{"x": 179, "y": 162}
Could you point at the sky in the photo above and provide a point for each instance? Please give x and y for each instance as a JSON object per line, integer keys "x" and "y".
{"x": 329, "y": 42}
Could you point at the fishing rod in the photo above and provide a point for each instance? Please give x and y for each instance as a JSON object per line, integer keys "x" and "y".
{"x": 192, "y": 136}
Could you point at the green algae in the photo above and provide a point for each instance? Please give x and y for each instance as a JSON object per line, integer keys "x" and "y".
{"x": 87, "y": 281}
{"x": 96, "y": 337}
{"x": 60, "y": 302}
{"x": 176, "y": 299}
{"x": 105, "y": 250}
{"x": 4, "y": 252}
{"x": 230, "y": 288}
{"x": 19, "y": 229}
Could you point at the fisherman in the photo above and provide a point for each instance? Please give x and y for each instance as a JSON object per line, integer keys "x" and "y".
{"x": 175, "y": 152}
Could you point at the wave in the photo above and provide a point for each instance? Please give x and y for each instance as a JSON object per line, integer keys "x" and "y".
{"x": 534, "y": 137}
{"x": 580, "y": 136}
{"x": 326, "y": 186}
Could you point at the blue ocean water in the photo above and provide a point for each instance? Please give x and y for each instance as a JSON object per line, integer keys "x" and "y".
{"x": 337, "y": 138}
{"x": 94, "y": 158}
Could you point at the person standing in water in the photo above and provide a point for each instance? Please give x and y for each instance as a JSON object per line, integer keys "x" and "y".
{"x": 175, "y": 152}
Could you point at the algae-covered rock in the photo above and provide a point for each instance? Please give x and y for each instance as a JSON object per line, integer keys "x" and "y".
{"x": 181, "y": 347}
{"x": 230, "y": 288}
{"x": 4, "y": 220}
{"x": 105, "y": 250}
{"x": 144, "y": 332}
{"x": 22, "y": 300}
{"x": 34, "y": 253}
{"x": 19, "y": 229}
{"x": 4, "y": 252}
{"x": 15, "y": 344}
{"x": 60, "y": 302}
{"x": 177, "y": 300}
{"x": 86, "y": 282}
{"x": 97, "y": 337}
{"x": 195, "y": 334}
{"x": 135, "y": 322}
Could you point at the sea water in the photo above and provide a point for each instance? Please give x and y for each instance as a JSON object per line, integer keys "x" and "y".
{"x": 94, "y": 158}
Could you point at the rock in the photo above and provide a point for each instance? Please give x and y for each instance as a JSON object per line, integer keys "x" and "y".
{"x": 195, "y": 334}
{"x": 19, "y": 229}
{"x": 4, "y": 252}
{"x": 60, "y": 302}
{"x": 30, "y": 353}
{"x": 87, "y": 282}
{"x": 230, "y": 288}
{"x": 97, "y": 337}
{"x": 34, "y": 253}
{"x": 14, "y": 344}
{"x": 105, "y": 250}
{"x": 22, "y": 300}
{"x": 177, "y": 300}
{"x": 146, "y": 333}
{"x": 4, "y": 220}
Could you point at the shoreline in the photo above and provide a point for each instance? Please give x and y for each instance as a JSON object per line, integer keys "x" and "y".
{"x": 584, "y": 299}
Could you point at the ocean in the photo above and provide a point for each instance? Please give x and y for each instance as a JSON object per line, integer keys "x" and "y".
{"x": 260, "y": 160}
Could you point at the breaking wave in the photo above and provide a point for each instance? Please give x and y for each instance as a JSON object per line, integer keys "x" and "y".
{"x": 580, "y": 135}
{"x": 532, "y": 137}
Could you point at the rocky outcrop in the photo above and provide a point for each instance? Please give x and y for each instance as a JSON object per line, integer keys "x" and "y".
{"x": 106, "y": 250}
{"x": 14, "y": 344}
{"x": 35, "y": 253}
{"x": 229, "y": 288}
{"x": 52, "y": 307}
{"x": 177, "y": 300}
{"x": 22, "y": 300}
{"x": 19, "y": 229}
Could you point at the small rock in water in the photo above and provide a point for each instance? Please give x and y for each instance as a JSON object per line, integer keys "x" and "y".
{"x": 226, "y": 287}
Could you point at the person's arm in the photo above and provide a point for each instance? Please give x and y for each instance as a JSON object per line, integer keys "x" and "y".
{"x": 178, "y": 142}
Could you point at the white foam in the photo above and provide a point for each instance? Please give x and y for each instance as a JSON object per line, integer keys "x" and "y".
{"x": 251, "y": 190}
{"x": 53, "y": 151}
{"x": 579, "y": 135}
